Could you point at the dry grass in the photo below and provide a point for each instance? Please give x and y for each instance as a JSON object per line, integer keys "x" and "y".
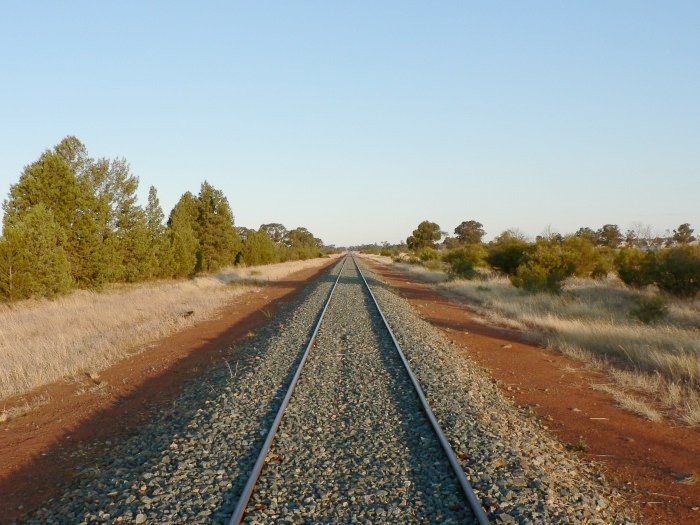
{"x": 43, "y": 341}
{"x": 420, "y": 272}
{"x": 590, "y": 321}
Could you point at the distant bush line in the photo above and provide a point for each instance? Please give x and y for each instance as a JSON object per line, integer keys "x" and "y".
{"x": 672, "y": 264}
{"x": 72, "y": 221}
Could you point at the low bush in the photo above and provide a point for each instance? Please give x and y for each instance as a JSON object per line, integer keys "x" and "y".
{"x": 428, "y": 254}
{"x": 545, "y": 269}
{"x": 507, "y": 256}
{"x": 649, "y": 309}
{"x": 635, "y": 267}
{"x": 460, "y": 263}
{"x": 434, "y": 265}
{"x": 678, "y": 271}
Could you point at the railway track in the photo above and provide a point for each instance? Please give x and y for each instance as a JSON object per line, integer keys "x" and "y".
{"x": 359, "y": 441}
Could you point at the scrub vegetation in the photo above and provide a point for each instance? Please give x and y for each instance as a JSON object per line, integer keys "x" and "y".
{"x": 627, "y": 303}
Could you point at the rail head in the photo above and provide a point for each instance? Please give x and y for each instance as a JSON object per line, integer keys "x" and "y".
{"x": 467, "y": 490}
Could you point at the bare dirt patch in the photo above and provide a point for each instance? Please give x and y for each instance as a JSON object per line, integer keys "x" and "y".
{"x": 656, "y": 464}
{"x": 37, "y": 448}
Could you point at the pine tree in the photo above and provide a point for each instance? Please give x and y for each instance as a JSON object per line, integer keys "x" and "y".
{"x": 219, "y": 242}
{"x": 183, "y": 237}
{"x": 52, "y": 182}
{"x": 162, "y": 263}
{"x": 33, "y": 262}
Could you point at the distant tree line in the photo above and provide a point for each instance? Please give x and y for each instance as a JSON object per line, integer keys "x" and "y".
{"x": 671, "y": 263}
{"x": 72, "y": 221}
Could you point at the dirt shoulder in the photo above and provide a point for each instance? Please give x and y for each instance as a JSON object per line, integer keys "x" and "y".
{"x": 39, "y": 450}
{"x": 656, "y": 465}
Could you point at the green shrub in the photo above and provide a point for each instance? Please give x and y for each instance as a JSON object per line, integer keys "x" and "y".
{"x": 428, "y": 254}
{"x": 678, "y": 271}
{"x": 586, "y": 258}
{"x": 461, "y": 262}
{"x": 534, "y": 277}
{"x": 434, "y": 265}
{"x": 599, "y": 272}
{"x": 545, "y": 269}
{"x": 649, "y": 309}
{"x": 635, "y": 267}
{"x": 506, "y": 257}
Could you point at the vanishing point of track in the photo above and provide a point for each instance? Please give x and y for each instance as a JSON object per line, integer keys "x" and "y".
{"x": 463, "y": 483}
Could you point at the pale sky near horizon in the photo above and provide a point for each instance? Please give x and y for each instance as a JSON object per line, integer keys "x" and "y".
{"x": 360, "y": 119}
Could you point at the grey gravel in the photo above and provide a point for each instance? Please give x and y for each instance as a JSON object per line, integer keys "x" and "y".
{"x": 354, "y": 446}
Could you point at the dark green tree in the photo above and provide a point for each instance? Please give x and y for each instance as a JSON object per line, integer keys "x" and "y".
{"x": 219, "y": 242}
{"x": 302, "y": 244}
{"x": 33, "y": 262}
{"x": 425, "y": 236}
{"x": 470, "y": 232}
{"x": 684, "y": 234}
{"x": 162, "y": 263}
{"x": 182, "y": 225}
{"x": 275, "y": 231}
{"x": 588, "y": 234}
{"x": 52, "y": 182}
{"x": 258, "y": 248}
{"x": 610, "y": 235}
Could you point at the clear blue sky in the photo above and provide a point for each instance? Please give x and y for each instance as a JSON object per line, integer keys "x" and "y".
{"x": 359, "y": 119}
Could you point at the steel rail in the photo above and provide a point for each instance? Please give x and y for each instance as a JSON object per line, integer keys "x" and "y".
{"x": 243, "y": 500}
{"x": 454, "y": 462}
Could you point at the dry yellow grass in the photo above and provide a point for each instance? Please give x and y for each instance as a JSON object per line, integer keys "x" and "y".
{"x": 43, "y": 341}
{"x": 590, "y": 321}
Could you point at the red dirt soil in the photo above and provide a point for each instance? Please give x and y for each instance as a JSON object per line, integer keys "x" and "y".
{"x": 644, "y": 459}
{"x": 35, "y": 449}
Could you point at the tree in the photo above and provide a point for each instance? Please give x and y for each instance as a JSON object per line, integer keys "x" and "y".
{"x": 52, "y": 182}
{"x": 425, "y": 236}
{"x": 684, "y": 234}
{"x": 588, "y": 234}
{"x": 470, "y": 232}
{"x": 610, "y": 235}
{"x": 33, "y": 262}
{"x": 275, "y": 231}
{"x": 258, "y": 248}
{"x": 182, "y": 225}
{"x": 161, "y": 255}
{"x": 219, "y": 242}
{"x": 302, "y": 244}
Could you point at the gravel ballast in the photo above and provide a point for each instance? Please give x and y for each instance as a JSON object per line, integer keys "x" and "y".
{"x": 353, "y": 446}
